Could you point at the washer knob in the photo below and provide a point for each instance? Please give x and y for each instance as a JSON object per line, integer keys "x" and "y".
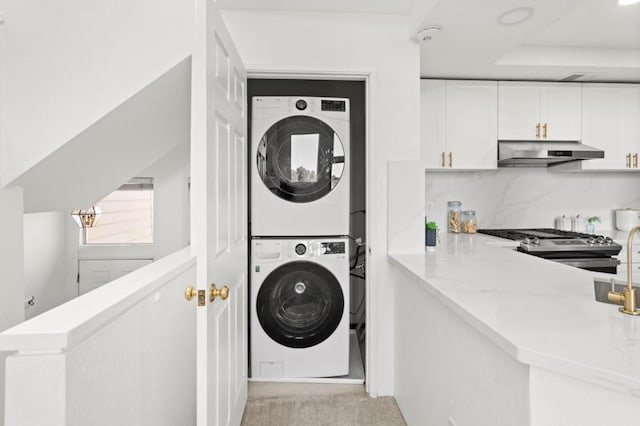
{"x": 301, "y": 249}
{"x": 301, "y": 104}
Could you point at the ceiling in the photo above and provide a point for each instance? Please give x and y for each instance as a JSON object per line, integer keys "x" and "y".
{"x": 392, "y": 7}
{"x": 597, "y": 39}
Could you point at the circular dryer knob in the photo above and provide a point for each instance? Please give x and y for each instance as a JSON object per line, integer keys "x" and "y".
{"x": 300, "y": 249}
{"x": 301, "y": 104}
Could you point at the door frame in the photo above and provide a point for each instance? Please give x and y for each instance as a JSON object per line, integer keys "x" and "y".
{"x": 368, "y": 76}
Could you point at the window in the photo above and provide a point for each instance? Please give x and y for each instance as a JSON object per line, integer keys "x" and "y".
{"x": 127, "y": 215}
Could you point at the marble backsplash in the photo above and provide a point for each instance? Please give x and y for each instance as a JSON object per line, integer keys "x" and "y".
{"x": 531, "y": 197}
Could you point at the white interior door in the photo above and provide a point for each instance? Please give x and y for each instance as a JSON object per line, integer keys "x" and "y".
{"x": 219, "y": 218}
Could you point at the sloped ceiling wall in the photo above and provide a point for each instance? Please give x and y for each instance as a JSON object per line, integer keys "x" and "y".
{"x": 65, "y": 64}
{"x": 115, "y": 148}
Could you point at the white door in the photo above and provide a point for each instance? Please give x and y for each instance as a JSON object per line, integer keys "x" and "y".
{"x": 472, "y": 130}
{"x": 519, "y": 111}
{"x": 219, "y": 218}
{"x": 93, "y": 273}
{"x": 433, "y": 123}
{"x": 561, "y": 111}
{"x": 605, "y": 113}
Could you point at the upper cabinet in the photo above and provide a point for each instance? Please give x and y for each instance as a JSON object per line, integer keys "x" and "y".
{"x": 459, "y": 124}
{"x": 539, "y": 111}
{"x": 611, "y": 122}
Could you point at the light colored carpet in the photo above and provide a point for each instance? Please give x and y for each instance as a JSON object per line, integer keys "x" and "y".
{"x": 329, "y": 406}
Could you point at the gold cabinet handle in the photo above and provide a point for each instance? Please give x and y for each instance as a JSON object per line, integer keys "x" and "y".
{"x": 635, "y": 160}
{"x": 443, "y": 159}
{"x": 538, "y": 130}
{"x": 214, "y": 292}
{"x": 190, "y": 293}
{"x": 544, "y": 130}
{"x": 451, "y": 159}
{"x": 628, "y": 160}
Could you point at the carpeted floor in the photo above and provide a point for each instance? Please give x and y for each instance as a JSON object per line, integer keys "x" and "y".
{"x": 314, "y": 408}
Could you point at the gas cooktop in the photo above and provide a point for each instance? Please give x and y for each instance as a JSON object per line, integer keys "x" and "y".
{"x": 540, "y": 233}
{"x": 586, "y": 251}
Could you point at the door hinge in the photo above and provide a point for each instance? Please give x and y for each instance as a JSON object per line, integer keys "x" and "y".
{"x": 78, "y": 278}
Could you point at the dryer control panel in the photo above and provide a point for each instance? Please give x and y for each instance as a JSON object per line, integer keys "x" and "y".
{"x": 333, "y": 248}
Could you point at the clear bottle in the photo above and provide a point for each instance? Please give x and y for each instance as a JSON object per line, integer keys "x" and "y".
{"x": 469, "y": 222}
{"x": 454, "y": 209}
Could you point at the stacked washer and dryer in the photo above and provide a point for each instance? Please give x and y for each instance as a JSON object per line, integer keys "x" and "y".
{"x": 299, "y": 315}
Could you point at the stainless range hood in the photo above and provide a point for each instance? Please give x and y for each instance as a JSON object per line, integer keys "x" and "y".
{"x": 543, "y": 154}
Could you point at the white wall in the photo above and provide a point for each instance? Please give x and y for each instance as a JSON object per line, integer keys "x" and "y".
{"x": 11, "y": 258}
{"x": 531, "y": 197}
{"x": 346, "y": 43}
{"x": 11, "y": 265}
{"x": 170, "y": 211}
{"x": 45, "y": 261}
{"x": 51, "y": 239}
{"x": 68, "y": 64}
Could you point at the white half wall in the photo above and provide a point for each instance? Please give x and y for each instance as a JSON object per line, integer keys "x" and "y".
{"x": 447, "y": 373}
{"x": 310, "y": 44}
{"x": 68, "y": 63}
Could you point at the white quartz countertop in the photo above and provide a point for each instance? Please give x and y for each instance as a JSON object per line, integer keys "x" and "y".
{"x": 542, "y": 313}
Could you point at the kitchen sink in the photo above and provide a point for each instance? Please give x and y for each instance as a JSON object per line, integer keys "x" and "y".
{"x": 602, "y": 286}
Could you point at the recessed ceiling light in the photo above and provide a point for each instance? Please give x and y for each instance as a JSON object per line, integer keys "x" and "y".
{"x": 517, "y": 15}
{"x": 627, "y": 2}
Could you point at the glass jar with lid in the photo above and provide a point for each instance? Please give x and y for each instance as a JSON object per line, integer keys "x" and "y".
{"x": 469, "y": 222}
{"x": 454, "y": 209}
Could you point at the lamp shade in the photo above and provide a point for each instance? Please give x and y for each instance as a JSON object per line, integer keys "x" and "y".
{"x": 87, "y": 218}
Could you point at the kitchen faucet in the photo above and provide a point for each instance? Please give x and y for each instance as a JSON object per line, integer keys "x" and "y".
{"x": 627, "y": 296}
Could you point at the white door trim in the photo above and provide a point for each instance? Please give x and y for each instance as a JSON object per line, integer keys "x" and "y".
{"x": 368, "y": 76}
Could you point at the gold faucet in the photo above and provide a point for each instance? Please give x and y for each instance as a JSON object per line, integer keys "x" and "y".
{"x": 627, "y": 297}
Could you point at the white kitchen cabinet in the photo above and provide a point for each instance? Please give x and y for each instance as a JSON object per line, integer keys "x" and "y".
{"x": 459, "y": 124}
{"x": 539, "y": 111}
{"x": 611, "y": 122}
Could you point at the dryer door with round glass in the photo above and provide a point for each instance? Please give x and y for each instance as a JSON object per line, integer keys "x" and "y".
{"x": 300, "y": 304}
{"x": 300, "y": 159}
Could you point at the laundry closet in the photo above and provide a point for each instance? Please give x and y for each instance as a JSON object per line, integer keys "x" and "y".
{"x": 307, "y": 221}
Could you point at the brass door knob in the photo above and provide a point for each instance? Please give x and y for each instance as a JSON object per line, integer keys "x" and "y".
{"x": 190, "y": 292}
{"x": 214, "y": 292}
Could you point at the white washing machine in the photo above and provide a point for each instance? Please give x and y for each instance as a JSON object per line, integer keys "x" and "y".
{"x": 299, "y": 308}
{"x": 299, "y": 166}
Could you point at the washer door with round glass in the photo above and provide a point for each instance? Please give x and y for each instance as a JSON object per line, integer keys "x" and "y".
{"x": 300, "y": 159}
{"x": 300, "y": 304}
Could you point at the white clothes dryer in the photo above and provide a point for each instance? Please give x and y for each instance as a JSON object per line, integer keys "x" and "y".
{"x": 299, "y": 166}
{"x": 299, "y": 308}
